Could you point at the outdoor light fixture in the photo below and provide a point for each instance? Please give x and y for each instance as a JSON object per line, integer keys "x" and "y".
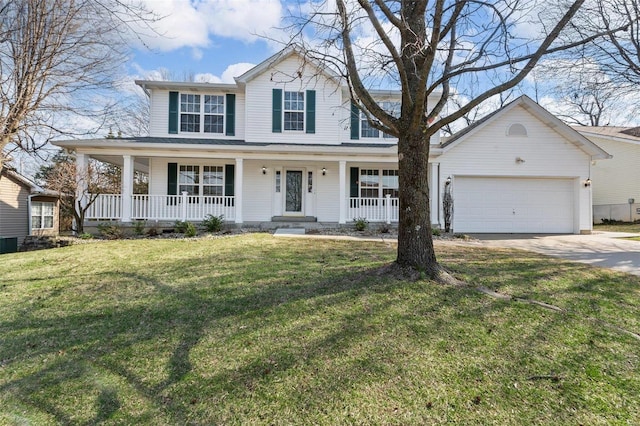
{"x": 264, "y": 170}
{"x": 519, "y": 160}
{"x": 448, "y": 181}
{"x": 324, "y": 171}
{"x": 587, "y": 183}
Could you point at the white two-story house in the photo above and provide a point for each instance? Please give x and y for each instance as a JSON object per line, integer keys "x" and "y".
{"x": 284, "y": 143}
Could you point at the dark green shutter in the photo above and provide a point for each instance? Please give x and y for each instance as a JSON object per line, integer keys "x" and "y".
{"x": 172, "y": 179}
{"x": 231, "y": 115}
{"x": 353, "y": 192}
{"x": 311, "y": 111}
{"x": 229, "y": 180}
{"x": 173, "y": 112}
{"x": 277, "y": 111}
{"x": 355, "y": 121}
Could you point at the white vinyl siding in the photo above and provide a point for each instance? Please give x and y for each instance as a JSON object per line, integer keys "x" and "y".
{"x": 259, "y": 94}
{"x": 489, "y": 152}
{"x": 159, "y": 118}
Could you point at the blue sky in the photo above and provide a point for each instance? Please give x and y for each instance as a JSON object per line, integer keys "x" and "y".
{"x": 207, "y": 37}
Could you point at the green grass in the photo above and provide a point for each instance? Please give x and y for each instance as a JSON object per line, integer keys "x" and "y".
{"x": 258, "y": 330}
{"x": 618, "y": 227}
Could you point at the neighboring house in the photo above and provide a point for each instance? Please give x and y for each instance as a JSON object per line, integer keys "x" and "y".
{"x": 285, "y": 144}
{"x": 25, "y": 208}
{"x": 616, "y": 183}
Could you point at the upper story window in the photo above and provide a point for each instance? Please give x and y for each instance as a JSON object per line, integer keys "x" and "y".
{"x": 189, "y": 113}
{"x": 213, "y": 114}
{"x": 294, "y": 111}
{"x": 201, "y": 113}
{"x": 368, "y": 131}
{"x": 198, "y": 113}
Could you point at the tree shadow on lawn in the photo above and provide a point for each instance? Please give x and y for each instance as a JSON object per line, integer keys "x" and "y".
{"x": 194, "y": 342}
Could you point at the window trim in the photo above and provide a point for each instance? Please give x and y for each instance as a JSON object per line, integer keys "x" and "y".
{"x": 201, "y": 114}
{"x": 380, "y": 134}
{"x": 379, "y": 188}
{"x": 42, "y": 216}
{"x": 302, "y": 112}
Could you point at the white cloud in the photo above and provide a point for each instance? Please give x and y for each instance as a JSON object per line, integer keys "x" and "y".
{"x": 160, "y": 74}
{"x": 235, "y": 70}
{"x": 186, "y": 23}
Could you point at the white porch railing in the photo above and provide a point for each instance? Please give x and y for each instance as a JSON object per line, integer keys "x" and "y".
{"x": 374, "y": 209}
{"x": 163, "y": 207}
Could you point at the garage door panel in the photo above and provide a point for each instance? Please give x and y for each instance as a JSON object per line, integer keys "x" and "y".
{"x": 508, "y": 205}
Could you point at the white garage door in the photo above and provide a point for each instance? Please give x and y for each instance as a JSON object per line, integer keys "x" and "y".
{"x": 513, "y": 205}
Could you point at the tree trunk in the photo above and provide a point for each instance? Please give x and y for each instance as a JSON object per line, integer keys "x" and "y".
{"x": 415, "y": 242}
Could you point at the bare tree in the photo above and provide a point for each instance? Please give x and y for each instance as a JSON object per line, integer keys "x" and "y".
{"x": 619, "y": 53}
{"x": 427, "y": 48}
{"x": 63, "y": 177}
{"x": 57, "y": 60}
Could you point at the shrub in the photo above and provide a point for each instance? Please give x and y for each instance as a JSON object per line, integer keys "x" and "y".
{"x": 153, "y": 230}
{"x": 384, "y": 228}
{"x": 138, "y": 227}
{"x": 110, "y": 231}
{"x": 360, "y": 223}
{"x": 436, "y": 232}
{"x": 181, "y": 226}
{"x": 85, "y": 236}
{"x": 190, "y": 230}
{"x": 213, "y": 223}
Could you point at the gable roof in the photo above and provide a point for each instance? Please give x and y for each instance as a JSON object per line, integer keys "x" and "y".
{"x": 541, "y": 114}
{"x": 620, "y": 134}
{"x": 287, "y": 52}
{"x": 19, "y": 179}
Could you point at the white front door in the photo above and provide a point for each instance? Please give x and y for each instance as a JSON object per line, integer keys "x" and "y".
{"x": 294, "y": 193}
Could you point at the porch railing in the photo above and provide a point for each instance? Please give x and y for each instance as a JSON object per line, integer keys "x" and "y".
{"x": 163, "y": 207}
{"x": 374, "y": 209}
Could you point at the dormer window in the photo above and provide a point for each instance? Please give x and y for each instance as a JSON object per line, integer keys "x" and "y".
{"x": 517, "y": 129}
{"x": 294, "y": 111}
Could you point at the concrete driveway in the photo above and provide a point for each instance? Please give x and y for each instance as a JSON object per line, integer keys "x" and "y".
{"x": 603, "y": 249}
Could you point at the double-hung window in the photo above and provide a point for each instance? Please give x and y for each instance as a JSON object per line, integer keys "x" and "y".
{"x": 201, "y": 113}
{"x": 368, "y": 131}
{"x": 189, "y": 113}
{"x": 42, "y": 215}
{"x": 189, "y": 180}
{"x": 294, "y": 111}
{"x": 378, "y": 183}
{"x": 213, "y": 114}
{"x": 213, "y": 180}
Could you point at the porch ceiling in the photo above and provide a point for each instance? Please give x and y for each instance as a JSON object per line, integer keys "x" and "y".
{"x": 140, "y": 164}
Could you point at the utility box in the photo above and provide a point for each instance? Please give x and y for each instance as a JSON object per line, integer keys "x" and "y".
{"x": 8, "y": 245}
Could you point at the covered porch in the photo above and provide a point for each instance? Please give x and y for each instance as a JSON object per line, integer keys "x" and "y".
{"x": 248, "y": 188}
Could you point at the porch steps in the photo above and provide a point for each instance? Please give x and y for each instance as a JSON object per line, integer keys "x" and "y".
{"x": 289, "y": 231}
{"x": 294, "y": 219}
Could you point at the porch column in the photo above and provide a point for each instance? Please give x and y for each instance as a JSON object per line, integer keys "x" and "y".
{"x": 82, "y": 185}
{"x": 237, "y": 189}
{"x": 127, "y": 188}
{"x": 434, "y": 193}
{"x": 342, "y": 193}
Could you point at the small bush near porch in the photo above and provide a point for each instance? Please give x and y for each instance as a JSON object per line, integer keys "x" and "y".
{"x": 257, "y": 330}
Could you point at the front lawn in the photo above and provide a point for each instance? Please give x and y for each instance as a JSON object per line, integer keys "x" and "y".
{"x": 254, "y": 329}
{"x": 618, "y": 227}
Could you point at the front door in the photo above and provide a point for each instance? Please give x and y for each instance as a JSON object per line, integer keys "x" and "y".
{"x": 294, "y": 194}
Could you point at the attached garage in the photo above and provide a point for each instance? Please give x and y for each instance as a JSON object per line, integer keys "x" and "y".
{"x": 513, "y": 205}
